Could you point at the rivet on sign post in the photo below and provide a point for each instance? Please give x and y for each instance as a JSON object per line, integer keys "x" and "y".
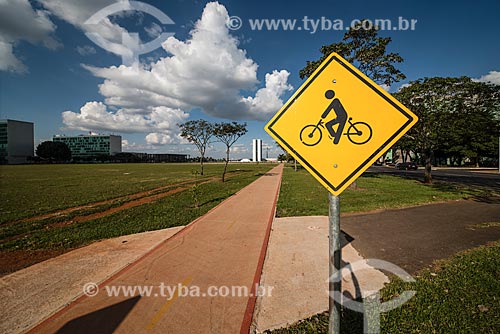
{"x": 334, "y": 263}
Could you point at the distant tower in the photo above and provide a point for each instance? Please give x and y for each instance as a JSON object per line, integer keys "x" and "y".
{"x": 257, "y": 150}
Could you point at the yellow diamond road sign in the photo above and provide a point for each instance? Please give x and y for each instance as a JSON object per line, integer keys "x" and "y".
{"x": 338, "y": 123}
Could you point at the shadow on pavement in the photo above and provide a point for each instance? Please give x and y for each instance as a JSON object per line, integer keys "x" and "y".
{"x": 351, "y": 321}
{"x": 103, "y": 321}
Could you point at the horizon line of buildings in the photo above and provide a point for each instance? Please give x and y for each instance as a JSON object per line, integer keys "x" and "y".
{"x": 17, "y": 146}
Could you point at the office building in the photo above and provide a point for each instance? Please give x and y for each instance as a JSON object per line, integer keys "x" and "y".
{"x": 16, "y": 141}
{"x": 87, "y": 146}
{"x": 257, "y": 150}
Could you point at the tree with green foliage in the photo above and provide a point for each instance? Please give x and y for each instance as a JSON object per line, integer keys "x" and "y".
{"x": 229, "y": 133}
{"x": 457, "y": 117}
{"x": 405, "y": 146}
{"x": 365, "y": 50}
{"x": 198, "y": 132}
{"x": 53, "y": 151}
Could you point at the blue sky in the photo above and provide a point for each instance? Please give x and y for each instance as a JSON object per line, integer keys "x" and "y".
{"x": 48, "y": 65}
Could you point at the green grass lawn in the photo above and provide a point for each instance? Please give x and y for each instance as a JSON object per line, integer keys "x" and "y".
{"x": 459, "y": 295}
{"x": 30, "y": 190}
{"x": 174, "y": 210}
{"x": 302, "y": 195}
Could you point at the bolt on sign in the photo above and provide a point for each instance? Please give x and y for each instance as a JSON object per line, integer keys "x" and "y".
{"x": 338, "y": 123}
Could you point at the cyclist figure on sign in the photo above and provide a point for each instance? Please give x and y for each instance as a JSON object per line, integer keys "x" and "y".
{"x": 341, "y": 118}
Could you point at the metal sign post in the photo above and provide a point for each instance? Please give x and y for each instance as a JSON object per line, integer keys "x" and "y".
{"x": 334, "y": 263}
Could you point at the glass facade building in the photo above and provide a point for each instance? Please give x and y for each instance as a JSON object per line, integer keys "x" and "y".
{"x": 92, "y": 145}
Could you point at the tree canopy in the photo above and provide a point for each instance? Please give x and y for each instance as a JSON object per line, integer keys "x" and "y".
{"x": 53, "y": 151}
{"x": 458, "y": 118}
{"x": 228, "y": 134}
{"x": 198, "y": 132}
{"x": 365, "y": 50}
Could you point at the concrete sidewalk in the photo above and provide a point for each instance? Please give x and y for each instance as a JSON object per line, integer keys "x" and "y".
{"x": 297, "y": 267}
{"x": 224, "y": 248}
{"x": 32, "y": 294}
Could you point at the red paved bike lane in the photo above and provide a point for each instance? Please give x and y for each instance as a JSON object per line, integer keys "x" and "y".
{"x": 224, "y": 248}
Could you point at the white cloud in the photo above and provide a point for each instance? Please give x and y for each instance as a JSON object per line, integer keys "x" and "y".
{"x": 77, "y": 12}
{"x": 404, "y": 86}
{"x": 492, "y": 77}
{"x": 207, "y": 71}
{"x": 95, "y": 116}
{"x": 268, "y": 99}
{"x": 135, "y": 147}
{"x": 385, "y": 87}
{"x": 8, "y": 61}
{"x": 239, "y": 149}
{"x": 86, "y": 50}
{"x": 154, "y": 30}
{"x": 156, "y": 138}
{"x": 20, "y": 22}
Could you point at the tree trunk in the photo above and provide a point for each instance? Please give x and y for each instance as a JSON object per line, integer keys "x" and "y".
{"x": 225, "y": 166}
{"x": 295, "y": 164}
{"x": 201, "y": 165}
{"x": 428, "y": 168}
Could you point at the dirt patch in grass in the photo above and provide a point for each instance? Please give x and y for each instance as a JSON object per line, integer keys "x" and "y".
{"x": 100, "y": 203}
{"x": 125, "y": 206}
{"x": 11, "y": 261}
{"x": 147, "y": 197}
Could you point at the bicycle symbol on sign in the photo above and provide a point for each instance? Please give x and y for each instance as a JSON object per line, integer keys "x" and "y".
{"x": 358, "y": 133}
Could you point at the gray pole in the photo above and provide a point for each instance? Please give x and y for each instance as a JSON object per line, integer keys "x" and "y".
{"x": 334, "y": 265}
